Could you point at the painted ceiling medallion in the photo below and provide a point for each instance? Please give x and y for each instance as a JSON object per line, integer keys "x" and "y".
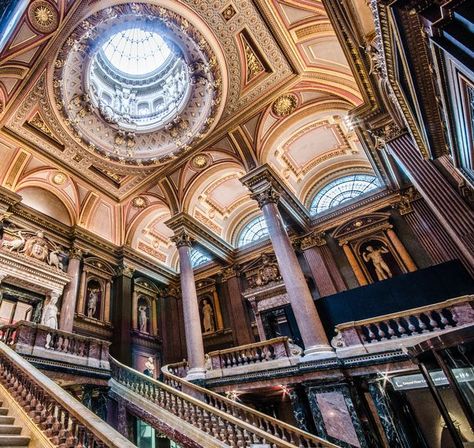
{"x": 59, "y": 178}
{"x": 137, "y": 84}
{"x": 284, "y": 105}
{"x": 200, "y": 161}
{"x": 43, "y": 16}
{"x": 139, "y": 202}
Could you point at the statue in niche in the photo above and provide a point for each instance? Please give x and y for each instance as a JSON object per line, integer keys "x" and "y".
{"x": 375, "y": 256}
{"x": 37, "y": 313}
{"x": 92, "y": 300}
{"x": 49, "y": 317}
{"x": 207, "y": 317}
{"x": 149, "y": 367}
{"x": 143, "y": 318}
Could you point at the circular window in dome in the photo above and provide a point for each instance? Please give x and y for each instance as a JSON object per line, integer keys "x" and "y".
{"x": 138, "y": 79}
{"x": 136, "y": 51}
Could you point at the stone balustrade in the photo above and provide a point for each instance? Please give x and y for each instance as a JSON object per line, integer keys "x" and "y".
{"x": 397, "y": 330}
{"x": 27, "y": 338}
{"x": 245, "y": 355}
{"x": 62, "y": 419}
{"x": 227, "y": 421}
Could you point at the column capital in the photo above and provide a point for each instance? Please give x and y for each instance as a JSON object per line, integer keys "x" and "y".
{"x": 182, "y": 238}
{"x": 406, "y": 198}
{"x": 75, "y": 253}
{"x": 229, "y": 272}
{"x": 125, "y": 270}
{"x": 268, "y": 195}
{"x": 314, "y": 239}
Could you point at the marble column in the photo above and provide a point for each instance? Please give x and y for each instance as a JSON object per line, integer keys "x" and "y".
{"x": 304, "y": 309}
{"x": 241, "y": 327}
{"x": 400, "y": 248}
{"x": 121, "y": 347}
{"x": 323, "y": 268}
{"x": 192, "y": 324}
{"x": 360, "y": 276}
{"x": 68, "y": 307}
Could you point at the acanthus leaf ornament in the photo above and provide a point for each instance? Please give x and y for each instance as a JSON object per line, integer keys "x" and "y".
{"x": 269, "y": 195}
{"x": 182, "y": 238}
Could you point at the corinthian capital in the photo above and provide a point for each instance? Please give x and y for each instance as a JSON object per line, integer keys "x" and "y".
{"x": 182, "y": 238}
{"x": 269, "y": 195}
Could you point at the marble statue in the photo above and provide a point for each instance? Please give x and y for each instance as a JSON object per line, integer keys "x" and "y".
{"x": 207, "y": 317}
{"x": 50, "y": 314}
{"x": 92, "y": 299}
{"x": 149, "y": 367}
{"x": 142, "y": 318}
{"x": 375, "y": 256}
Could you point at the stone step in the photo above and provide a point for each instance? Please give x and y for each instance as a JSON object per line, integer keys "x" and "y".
{"x": 3, "y": 411}
{"x": 13, "y": 440}
{"x": 4, "y": 420}
{"x": 10, "y": 429}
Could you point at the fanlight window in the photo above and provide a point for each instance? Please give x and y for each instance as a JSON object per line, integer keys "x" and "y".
{"x": 254, "y": 230}
{"x": 341, "y": 190}
{"x": 198, "y": 258}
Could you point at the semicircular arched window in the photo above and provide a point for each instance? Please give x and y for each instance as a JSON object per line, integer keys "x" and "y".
{"x": 198, "y": 258}
{"x": 341, "y": 190}
{"x": 256, "y": 229}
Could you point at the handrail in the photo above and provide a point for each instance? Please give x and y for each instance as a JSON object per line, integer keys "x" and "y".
{"x": 409, "y": 312}
{"x": 271, "y": 425}
{"x": 249, "y": 346}
{"x": 222, "y": 423}
{"x": 62, "y": 418}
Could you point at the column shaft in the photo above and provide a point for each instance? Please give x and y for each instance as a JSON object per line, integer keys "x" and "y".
{"x": 68, "y": 307}
{"x": 307, "y": 318}
{"x": 320, "y": 272}
{"x": 360, "y": 276}
{"x": 400, "y": 248}
{"x": 192, "y": 324}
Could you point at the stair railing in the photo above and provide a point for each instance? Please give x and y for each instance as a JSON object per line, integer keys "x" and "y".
{"x": 65, "y": 421}
{"x": 222, "y": 424}
{"x": 281, "y": 430}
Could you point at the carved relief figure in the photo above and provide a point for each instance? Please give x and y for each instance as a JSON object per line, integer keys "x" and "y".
{"x": 207, "y": 317}
{"x": 143, "y": 318}
{"x": 375, "y": 256}
{"x": 36, "y": 247}
{"x": 50, "y": 314}
{"x": 15, "y": 244}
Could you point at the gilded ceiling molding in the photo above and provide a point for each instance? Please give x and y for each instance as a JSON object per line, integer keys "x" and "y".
{"x": 17, "y": 165}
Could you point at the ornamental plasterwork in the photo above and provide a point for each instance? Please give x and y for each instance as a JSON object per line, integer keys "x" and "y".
{"x": 43, "y": 16}
{"x": 284, "y": 105}
{"x": 105, "y": 131}
{"x": 69, "y": 151}
{"x": 248, "y": 17}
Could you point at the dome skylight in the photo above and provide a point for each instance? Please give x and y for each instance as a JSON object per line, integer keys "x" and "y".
{"x": 136, "y": 51}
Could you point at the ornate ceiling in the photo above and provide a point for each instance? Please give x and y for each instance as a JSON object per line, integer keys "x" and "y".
{"x": 270, "y": 84}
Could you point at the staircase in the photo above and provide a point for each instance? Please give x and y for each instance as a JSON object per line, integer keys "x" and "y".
{"x": 195, "y": 416}
{"x": 10, "y": 434}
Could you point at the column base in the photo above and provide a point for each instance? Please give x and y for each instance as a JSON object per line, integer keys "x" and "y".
{"x": 196, "y": 373}
{"x": 317, "y": 352}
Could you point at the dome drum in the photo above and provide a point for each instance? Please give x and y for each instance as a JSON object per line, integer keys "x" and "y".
{"x": 142, "y": 71}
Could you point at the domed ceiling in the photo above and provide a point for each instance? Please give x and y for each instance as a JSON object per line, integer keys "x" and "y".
{"x": 138, "y": 84}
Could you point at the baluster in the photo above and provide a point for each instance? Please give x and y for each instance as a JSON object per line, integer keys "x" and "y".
{"x": 390, "y": 330}
{"x": 432, "y": 322}
{"x": 411, "y": 327}
{"x": 370, "y": 333}
{"x": 400, "y": 328}
{"x": 421, "y": 324}
{"x": 380, "y": 332}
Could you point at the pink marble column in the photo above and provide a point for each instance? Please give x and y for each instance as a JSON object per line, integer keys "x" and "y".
{"x": 68, "y": 307}
{"x": 323, "y": 267}
{"x": 192, "y": 324}
{"x": 307, "y": 318}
